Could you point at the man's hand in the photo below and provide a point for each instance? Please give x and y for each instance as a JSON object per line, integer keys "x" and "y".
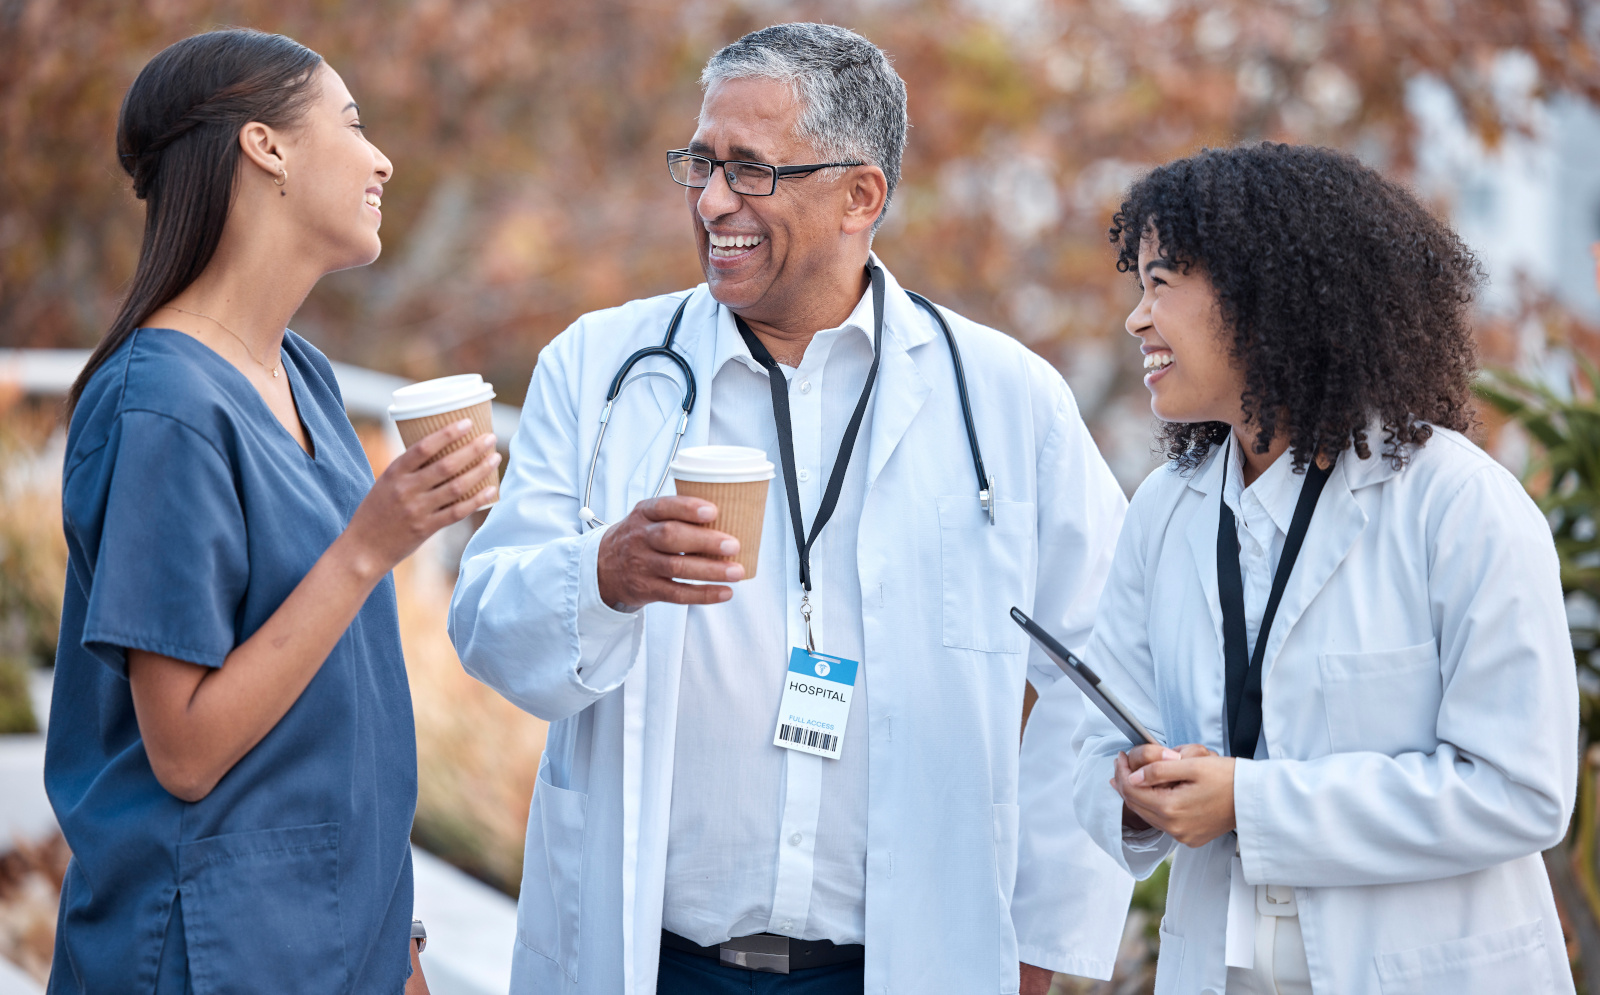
{"x": 1036, "y": 980}
{"x": 1189, "y": 797}
{"x": 661, "y": 539}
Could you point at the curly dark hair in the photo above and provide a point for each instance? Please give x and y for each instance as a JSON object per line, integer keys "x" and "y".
{"x": 1346, "y": 299}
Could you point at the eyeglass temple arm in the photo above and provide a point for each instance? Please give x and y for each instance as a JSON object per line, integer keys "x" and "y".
{"x": 812, "y": 168}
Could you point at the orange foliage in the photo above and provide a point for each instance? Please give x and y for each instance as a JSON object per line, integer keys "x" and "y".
{"x": 528, "y": 139}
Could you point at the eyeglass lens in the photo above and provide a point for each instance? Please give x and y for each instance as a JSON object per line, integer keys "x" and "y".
{"x": 742, "y": 177}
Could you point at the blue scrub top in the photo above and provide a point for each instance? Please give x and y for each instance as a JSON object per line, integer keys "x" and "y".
{"x": 190, "y": 514}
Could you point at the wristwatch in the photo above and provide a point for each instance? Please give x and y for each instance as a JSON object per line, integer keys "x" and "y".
{"x": 419, "y": 934}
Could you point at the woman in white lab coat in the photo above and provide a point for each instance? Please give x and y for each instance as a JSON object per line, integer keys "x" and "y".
{"x": 1359, "y": 804}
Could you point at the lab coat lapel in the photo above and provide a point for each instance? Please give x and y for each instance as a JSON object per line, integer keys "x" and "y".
{"x": 901, "y": 389}
{"x": 1207, "y": 482}
{"x": 652, "y": 691}
{"x": 1335, "y": 527}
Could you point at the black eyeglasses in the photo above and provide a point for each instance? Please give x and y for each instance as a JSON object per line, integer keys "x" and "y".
{"x": 747, "y": 179}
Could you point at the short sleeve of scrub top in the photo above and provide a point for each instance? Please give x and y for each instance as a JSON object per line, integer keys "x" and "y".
{"x": 190, "y": 514}
{"x": 172, "y": 565}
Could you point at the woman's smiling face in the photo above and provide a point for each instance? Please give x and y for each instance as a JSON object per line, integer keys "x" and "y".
{"x": 336, "y": 178}
{"x": 1190, "y": 370}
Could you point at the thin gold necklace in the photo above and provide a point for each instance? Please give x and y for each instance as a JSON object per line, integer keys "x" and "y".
{"x": 270, "y": 369}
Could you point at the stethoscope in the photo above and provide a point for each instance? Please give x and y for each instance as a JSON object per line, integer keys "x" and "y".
{"x": 621, "y": 380}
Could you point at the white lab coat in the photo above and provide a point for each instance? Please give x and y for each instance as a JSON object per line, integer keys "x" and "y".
{"x": 1419, "y": 706}
{"x": 946, "y": 662}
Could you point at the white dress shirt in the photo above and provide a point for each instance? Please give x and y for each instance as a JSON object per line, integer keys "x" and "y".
{"x": 763, "y": 838}
{"x": 1263, "y": 512}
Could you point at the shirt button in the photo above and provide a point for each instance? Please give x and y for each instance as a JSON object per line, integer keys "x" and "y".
{"x": 795, "y": 839}
{"x": 804, "y": 475}
{"x": 805, "y": 386}
{"x": 787, "y": 924}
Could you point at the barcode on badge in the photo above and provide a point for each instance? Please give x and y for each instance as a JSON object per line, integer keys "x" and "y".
{"x": 814, "y": 738}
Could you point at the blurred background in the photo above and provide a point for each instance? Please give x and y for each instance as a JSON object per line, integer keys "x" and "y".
{"x": 528, "y": 140}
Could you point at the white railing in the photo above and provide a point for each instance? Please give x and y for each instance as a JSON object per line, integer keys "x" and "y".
{"x": 50, "y": 372}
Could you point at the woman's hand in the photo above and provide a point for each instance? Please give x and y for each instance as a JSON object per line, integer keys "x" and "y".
{"x": 1187, "y": 794}
{"x": 414, "y": 498}
{"x": 1139, "y": 756}
{"x": 416, "y": 984}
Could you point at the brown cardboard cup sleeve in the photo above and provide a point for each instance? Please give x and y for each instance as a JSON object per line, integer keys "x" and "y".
{"x": 416, "y": 412}
{"x": 735, "y": 479}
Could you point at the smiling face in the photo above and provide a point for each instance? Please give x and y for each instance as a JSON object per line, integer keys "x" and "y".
{"x": 760, "y": 253}
{"x": 336, "y": 177}
{"x": 1190, "y": 371}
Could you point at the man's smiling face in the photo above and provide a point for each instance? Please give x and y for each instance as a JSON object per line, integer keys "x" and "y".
{"x": 758, "y": 253}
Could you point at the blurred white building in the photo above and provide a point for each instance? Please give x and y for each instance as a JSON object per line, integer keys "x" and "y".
{"x": 1530, "y": 207}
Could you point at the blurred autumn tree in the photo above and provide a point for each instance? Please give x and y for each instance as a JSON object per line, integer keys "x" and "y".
{"x": 528, "y": 139}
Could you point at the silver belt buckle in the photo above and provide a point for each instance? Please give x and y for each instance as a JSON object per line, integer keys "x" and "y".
{"x": 757, "y": 953}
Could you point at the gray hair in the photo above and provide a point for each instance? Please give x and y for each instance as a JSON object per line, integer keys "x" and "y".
{"x": 852, "y": 102}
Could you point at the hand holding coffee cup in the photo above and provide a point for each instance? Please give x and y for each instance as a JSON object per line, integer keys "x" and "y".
{"x": 420, "y": 409}
{"x": 709, "y": 534}
{"x": 734, "y": 478}
{"x": 443, "y": 478}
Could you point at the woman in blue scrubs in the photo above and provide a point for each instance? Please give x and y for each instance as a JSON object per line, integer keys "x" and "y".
{"x": 231, "y": 749}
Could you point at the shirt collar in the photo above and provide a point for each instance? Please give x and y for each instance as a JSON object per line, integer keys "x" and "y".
{"x": 730, "y": 344}
{"x": 1274, "y": 491}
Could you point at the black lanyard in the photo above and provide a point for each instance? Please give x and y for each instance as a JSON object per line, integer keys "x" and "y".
{"x": 780, "y": 413}
{"x": 1243, "y": 668}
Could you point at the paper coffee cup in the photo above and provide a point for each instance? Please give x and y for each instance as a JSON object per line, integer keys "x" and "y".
{"x": 420, "y": 409}
{"x": 734, "y": 478}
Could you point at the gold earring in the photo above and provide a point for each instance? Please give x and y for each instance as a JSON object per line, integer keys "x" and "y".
{"x": 282, "y": 177}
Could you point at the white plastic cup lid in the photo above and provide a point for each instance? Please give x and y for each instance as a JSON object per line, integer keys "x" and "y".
{"x": 722, "y": 465}
{"x": 435, "y": 397}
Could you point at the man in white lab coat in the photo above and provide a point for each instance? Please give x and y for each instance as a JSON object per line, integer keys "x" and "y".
{"x": 674, "y": 838}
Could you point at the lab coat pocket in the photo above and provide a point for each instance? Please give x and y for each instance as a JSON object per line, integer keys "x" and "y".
{"x": 1169, "y": 956}
{"x": 1509, "y": 960}
{"x": 549, "y": 909}
{"x": 986, "y": 569}
{"x": 1387, "y": 701}
{"x": 261, "y": 911}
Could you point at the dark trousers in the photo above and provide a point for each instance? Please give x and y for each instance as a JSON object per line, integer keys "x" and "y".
{"x": 690, "y": 974}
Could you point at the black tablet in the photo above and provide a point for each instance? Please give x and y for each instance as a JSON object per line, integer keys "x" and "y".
{"x": 1088, "y": 682}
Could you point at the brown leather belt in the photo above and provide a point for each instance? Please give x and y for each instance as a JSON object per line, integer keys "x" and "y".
{"x": 769, "y": 952}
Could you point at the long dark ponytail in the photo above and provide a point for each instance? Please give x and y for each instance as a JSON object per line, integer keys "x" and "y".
{"x": 178, "y": 137}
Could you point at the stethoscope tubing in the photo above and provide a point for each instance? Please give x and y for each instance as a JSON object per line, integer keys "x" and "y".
{"x": 586, "y": 513}
{"x": 985, "y": 485}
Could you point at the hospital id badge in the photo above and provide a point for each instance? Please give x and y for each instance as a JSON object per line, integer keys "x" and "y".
{"x": 816, "y": 703}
